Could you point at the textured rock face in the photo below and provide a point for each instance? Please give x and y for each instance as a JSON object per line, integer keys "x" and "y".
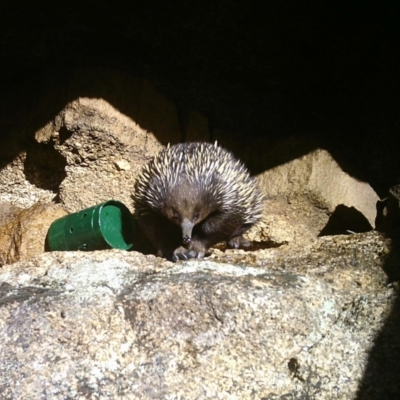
{"x": 92, "y": 149}
{"x": 18, "y": 189}
{"x": 319, "y": 177}
{"x": 113, "y": 324}
{"x": 312, "y": 195}
{"x": 104, "y": 152}
{"x": 23, "y": 232}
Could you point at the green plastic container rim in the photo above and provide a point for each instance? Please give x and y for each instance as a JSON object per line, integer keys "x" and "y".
{"x": 104, "y": 226}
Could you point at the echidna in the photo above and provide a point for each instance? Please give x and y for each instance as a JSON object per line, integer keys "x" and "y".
{"x": 201, "y": 189}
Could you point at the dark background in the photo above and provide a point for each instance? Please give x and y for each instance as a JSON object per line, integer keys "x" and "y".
{"x": 267, "y": 69}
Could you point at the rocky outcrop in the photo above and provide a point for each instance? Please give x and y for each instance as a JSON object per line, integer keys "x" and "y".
{"x": 325, "y": 184}
{"x": 296, "y": 316}
{"x": 109, "y": 125}
{"x": 311, "y": 195}
{"x": 121, "y": 325}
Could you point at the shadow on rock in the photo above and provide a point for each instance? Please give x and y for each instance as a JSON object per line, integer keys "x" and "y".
{"x": 44, "y": 167}
{"x": 381, "y": 378}
{"x": 345, "y": 220}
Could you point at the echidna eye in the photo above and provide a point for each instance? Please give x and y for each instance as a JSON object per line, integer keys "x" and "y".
{"x": 196, "y": 216}
{"x": 175, "y": 215}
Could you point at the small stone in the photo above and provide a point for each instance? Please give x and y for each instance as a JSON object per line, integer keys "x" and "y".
{"x": 122, "y": 165}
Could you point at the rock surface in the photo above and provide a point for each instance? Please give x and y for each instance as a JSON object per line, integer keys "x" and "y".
{"x": 112, "y": 324}
{"x": 314, "y": 196}
{"x": 17, "y": 187}
{"x": 92, "y": 149}
{"x": 23, "y": 232}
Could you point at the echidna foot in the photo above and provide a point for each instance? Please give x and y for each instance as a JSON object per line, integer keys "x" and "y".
{"x": 182, "y": 253}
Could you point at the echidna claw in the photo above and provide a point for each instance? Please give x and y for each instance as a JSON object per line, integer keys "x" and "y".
{"x": 200, "y": 254}
{"x": 181, "y": 253}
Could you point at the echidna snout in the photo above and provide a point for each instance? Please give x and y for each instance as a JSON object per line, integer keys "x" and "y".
{"x": 186, "y": 239}
{"x": 187, "y": 227}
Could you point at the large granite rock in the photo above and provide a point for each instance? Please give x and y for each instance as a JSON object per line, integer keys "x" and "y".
{"x": 112, "y": 324}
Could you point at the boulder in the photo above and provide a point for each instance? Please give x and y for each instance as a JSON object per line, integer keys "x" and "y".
{"x": 121, "y": 325}
{"x": 91, "y": 149}
{"x": 316, "y": 197}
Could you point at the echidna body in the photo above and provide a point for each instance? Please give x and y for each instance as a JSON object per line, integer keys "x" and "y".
{"x": 194, "y": 195}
